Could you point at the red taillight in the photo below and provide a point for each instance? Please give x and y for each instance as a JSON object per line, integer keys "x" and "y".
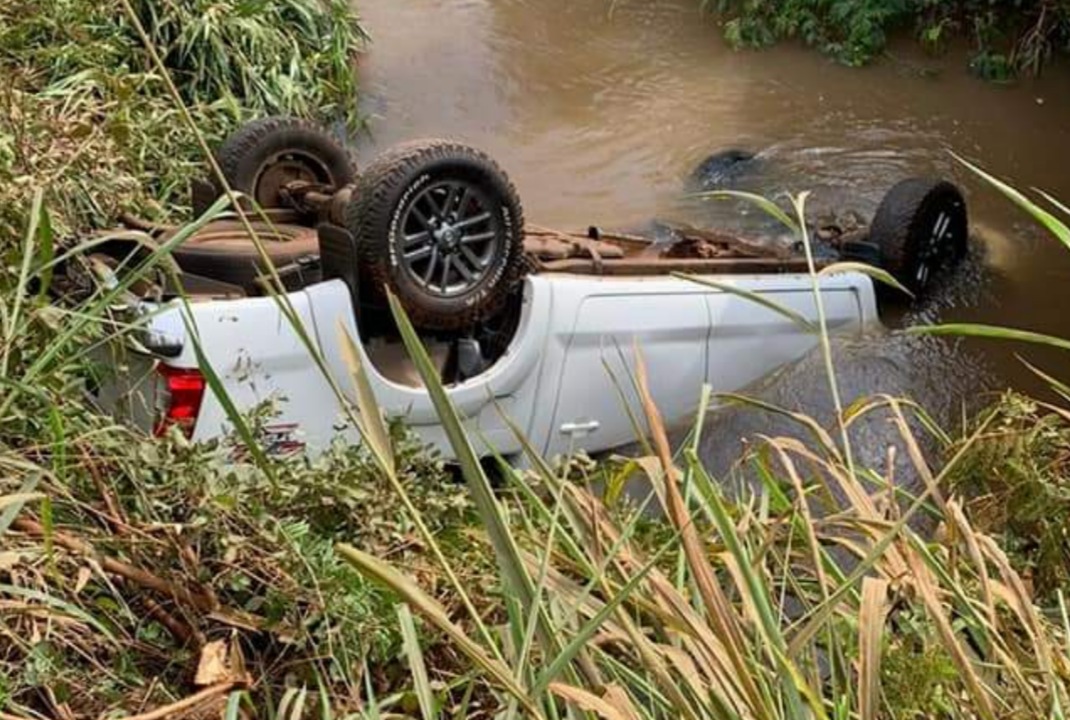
{"x": 183, "y": 392}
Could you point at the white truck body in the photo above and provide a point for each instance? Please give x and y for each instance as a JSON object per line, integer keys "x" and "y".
{"x": 564, "y": 379}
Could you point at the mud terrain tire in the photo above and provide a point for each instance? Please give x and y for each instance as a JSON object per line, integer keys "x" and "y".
{"x": 440, "y": 225}
{"x": 263, "y": 155}
{"x": 920, "y": 229}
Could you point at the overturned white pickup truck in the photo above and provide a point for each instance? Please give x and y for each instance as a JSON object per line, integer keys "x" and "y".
{"x": 526, "y": 324}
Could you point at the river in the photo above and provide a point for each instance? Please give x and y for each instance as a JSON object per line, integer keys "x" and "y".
{"x": 598, "y": 115}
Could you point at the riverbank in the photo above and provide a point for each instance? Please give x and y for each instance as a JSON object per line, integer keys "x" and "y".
{"x": 1007, "y": 40}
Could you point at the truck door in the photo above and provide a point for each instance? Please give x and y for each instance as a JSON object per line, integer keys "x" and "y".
{"x": 748, "y": 341}
{"x": 667, "y": 319}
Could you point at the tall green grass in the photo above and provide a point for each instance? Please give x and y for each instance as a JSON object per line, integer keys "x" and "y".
{"x": 787, "y": 606}
{"x": 85, "y": 112}
{"x": 813, "y": 596}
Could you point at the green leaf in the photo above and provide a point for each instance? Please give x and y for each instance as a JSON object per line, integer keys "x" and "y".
{"x": 517, "y": 580}
{"x": 754, "y": 297}
{"x": 766, "y": 205}
{"x": 233, "y": 706}
{"x": 62, "y": 606}
{"x": 866, "y": 269}
{"x": 1056, "y": 227}
{"x": 991, "y": 332}
{"x": 411, "y": 643}
{"x": 580, "y": 640}
{"x": 13, "y": 504}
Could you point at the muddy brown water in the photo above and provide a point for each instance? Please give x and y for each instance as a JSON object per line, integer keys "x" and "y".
{"x": 599, "y": 116}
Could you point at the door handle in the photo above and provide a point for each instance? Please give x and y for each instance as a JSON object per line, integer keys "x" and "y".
{"x": 580, "y": 428}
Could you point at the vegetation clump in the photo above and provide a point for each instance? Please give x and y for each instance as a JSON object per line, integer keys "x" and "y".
{"x": 85, "y": 114}
{"x": 1008, "y": 37}
{"x": 1017, "y": 480}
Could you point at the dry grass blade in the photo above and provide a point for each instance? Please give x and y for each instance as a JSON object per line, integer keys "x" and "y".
{"x": 923, "y": 583}
{"x": 871, "y": 615}
{"x": 808, "y": 519}
{"x": 1020, "y": 601}
{"x": 720, "y": 612}
{"x": 819, "y": 433}
{"x": 973, "y": 547}
{"x": 372, "y": 426}
{"x": 590, "y": 702}
{"x": 18, "y": 499}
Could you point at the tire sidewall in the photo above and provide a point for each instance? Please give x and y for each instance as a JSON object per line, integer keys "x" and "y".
{"x": 245, "y": 154}
{"x": 942, "y": 198}
{"x": 505, "y": 219}
{"x": 904, "y": 224}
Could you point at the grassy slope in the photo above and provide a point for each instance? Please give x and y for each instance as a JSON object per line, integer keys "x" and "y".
{"x": 86, "y": 131}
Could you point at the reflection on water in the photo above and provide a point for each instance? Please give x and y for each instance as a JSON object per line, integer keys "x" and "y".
{"x": 600, "y": 117}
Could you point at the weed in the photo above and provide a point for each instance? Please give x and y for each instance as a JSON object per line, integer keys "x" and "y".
{"x": 1009, "y": 37}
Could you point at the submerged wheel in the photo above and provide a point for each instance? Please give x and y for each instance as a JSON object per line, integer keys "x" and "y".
{"x": 920, "y": 229}
{"x": 262, "y": 156}
{"x": 717, "y": 170}
{"x": 441, "y": 226}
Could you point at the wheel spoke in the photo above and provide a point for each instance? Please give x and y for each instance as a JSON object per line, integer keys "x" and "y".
{"x": 463, "y": 202}
{"x": 419, "y": 253}
{"x": 463, "y": 269}
{"x": 481, "y": 237}
{"x": 469, "y": 222}
{"x": 450, "y": 197}
{"x": 444, "y": 284}
{"x": 429, "y": 200}
{"x": 417, "y": 238}
{"x": 430, "y": 272}
{"x": 942, "y": 224}
{"x": 471, "y": 257}
{"x": 421, "y": 218}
